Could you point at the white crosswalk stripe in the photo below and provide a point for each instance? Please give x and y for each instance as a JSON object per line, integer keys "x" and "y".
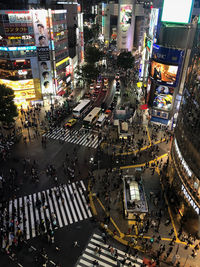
{"x": 105, "y": 258}
{"x": 64, "y": 205}
{"x": 78, "y": 137}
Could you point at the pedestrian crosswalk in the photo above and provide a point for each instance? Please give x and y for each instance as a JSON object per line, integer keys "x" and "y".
{"x": 79, "y": 137}
{"x": 105, "y": 255}
{"x": 57, "y": 207}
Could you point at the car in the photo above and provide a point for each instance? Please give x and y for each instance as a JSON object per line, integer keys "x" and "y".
{"x": 117, "y": 76}
{"x": 105, "y": 81}
{"x": 98, "y": 86}
{"x": 91, "y": 86}
{"x": 71, "y": 123}
{"x": 87, "y": 95}
{"x": 117, "y": 92}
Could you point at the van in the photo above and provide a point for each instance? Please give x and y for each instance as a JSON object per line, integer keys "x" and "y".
{"x": 101, "y": 120}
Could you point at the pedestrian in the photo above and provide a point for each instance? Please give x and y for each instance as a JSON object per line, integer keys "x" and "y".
{"x": 76, "y": 244}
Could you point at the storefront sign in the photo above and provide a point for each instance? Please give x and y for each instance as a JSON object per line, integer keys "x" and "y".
{"x": 18, "y": 48}
{"x": 18, "y": 85}
{"x": 191, "y": 201}
{"x": 25, "y": 94}
{"x": 16, "y": 29}
{"x": 20, "y": 18}
{"x": 43, "y": 53}
{"x": 22, "y": 72}
{"x": 185, "y": 165}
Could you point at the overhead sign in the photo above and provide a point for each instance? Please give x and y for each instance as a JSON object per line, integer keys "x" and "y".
{"x": 20, "y": 18}
{"x": 167, "y": 55}
{"x": 19, "y": 29}
{"x": 177, "y": 11}
{"x": 17, "y": 48}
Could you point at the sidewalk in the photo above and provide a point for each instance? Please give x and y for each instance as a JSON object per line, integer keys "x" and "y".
{"x": 106, "y": 200}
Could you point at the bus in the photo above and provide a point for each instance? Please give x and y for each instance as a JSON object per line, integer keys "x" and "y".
{"x": 101, "y": 120}
{"x": 92, "y": 117}
{"x": 81, "y": 108}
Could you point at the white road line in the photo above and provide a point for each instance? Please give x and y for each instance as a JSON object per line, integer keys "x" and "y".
{"x": 84, "y": 255}
{"x": 27, "y": 219}
{"x": 75, "y": 202}
{"x": 80, "y": 201}
{"x": 57, "y": 210}
{"x": 83, "y": 186}
{"x": 20, "y": 205}
{"x": 66, "y": 207}
{"x": 32, "y": 217}
{"x": 36, "y": 209}
{"x": 62, "y": 210}
{"x": 95, "y": 141}
{"x": 70, "y": 203}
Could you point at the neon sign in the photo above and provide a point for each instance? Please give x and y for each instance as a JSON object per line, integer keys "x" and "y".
{"x": 19, "y": 48}
{"x": 192, "y": 203}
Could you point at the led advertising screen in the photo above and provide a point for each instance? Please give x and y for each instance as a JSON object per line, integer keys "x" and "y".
{"x": 153, "y": 22}
{"x": 18, "y": 85}
{"x": 163, "y": 98}
{"x": 164, "y": 73}
{"x": 125, "y": 17}
{"x": 177, "y": 11}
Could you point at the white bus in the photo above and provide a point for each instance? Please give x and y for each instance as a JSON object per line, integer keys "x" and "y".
{"x": 101, "y": 120}
{"x": 92, "y": 117}
{"x": 81, "y": 108}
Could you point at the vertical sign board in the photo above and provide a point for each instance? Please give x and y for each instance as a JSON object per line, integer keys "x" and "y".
{"x": 42, "y": 43}
{"x": 125, "y": 31}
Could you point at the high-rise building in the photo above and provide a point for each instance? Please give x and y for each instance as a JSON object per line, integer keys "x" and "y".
{"x": 184, "y": 175}
{"x": 34, "y": 53}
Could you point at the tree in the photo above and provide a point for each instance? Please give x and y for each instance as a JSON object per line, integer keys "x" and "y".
{"x": 87, "y": 73}
{"x": 95, "y": 30}
{"x": 8, "y": 109}
{"x": 88, "y": 35}
{"x": 93, "y": 55}
{"x": 125, "y": 60}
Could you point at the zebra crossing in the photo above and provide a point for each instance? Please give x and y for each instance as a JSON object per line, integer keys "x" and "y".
{"x": 79, "y": 137}
{"x": 104, "y": 258}
{"x": 60, "y": 206}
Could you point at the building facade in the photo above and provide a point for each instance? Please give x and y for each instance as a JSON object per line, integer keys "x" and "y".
{"x": 34, "y": 53}
{"x": 184, "y": 175}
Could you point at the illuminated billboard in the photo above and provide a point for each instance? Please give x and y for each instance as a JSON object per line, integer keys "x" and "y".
{"x": 125, "y": 17}
{"x": 18, "y": 85}
{"x": 163, "y": 98}
{"x": 177, "y": 11}
{"x": 164, "y": 73}
{"x": 42, "y": 42}
{"x": 153, "y": 22}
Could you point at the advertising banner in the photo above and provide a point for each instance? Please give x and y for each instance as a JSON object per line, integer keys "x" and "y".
{"x": 164, "y": 73}
{"x": 153, "y": 22}
{"x": 40, "y": 27}
{"x": 25, "y": 94}
{"x": 178, "y": 11}
{"x": 20, "y": 29}
{"x": 42, "y": 42}
{"x": 125, "y": 17}
{"x": 20, "y": 18}
{"x": 163, "y": 98}
{"x": 167, "y": 55}
{"x": 18, "y": 85}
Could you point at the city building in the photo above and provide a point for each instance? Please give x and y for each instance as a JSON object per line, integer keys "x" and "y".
{"x": 169, "y": 61}
{"x": 184, "y": 176}
{"x": 30, "y": 64}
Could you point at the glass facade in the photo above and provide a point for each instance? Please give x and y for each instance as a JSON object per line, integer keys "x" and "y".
{"x": 184, "y": 174}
